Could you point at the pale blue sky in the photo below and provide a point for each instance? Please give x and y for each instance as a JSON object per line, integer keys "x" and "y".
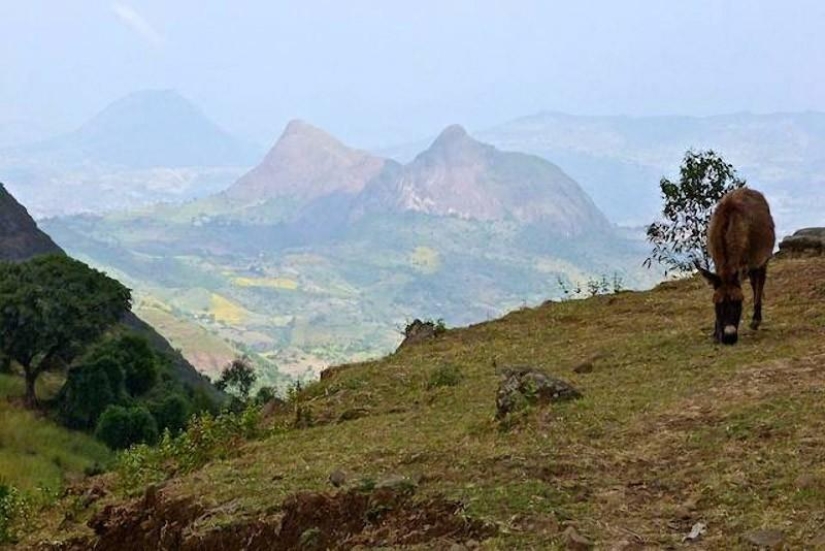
{"x": 381, "y": 72}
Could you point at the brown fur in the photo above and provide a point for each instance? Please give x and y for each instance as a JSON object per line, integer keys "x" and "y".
{"x": 741, "y": 238}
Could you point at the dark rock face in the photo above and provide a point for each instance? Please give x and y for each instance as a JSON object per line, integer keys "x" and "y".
{"x": 524, "y": 386}
{"x": 418, "y": 331}
{"x": 804, "y": 242}
{"x": 19, "y": 237}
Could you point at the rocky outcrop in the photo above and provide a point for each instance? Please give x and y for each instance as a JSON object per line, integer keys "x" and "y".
{"x": 804, "y": 242}
{"x": 523, "y": 386}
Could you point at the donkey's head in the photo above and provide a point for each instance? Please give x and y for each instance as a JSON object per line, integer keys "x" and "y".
{"x": 727, "y": 299}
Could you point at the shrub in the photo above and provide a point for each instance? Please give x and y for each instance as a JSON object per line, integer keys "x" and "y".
{"x": 121, "y": 427}
{"x": 171, "y": 412}
{"x": 14, "y": 509}
{"x": 205, "y": 439}
{"x": 444, "y": 375}
{"x": 88, "y": 391}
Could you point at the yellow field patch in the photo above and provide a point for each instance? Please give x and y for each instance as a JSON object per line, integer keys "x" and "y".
{"x": 269, "y": 282}
{"x": 226, "y": 311}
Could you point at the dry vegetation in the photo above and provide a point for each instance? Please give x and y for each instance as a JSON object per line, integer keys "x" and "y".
{"x": 672, "y": 430}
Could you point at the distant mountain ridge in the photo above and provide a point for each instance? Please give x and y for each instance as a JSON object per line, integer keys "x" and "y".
{"x": 619, "y": 159}
{"x": 150, "y": 128}
{"x": 148, "y": 147}
{"x": 456, "y": 176}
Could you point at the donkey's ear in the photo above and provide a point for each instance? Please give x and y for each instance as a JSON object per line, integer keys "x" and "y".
{"x": 712, "y": 278}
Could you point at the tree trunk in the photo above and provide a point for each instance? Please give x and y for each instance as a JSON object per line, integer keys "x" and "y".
{"x": 31, "y": 396}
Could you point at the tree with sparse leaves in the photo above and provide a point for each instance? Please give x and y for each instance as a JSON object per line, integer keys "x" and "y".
{"x": 51, "y": 308}
{"x": 680, "y": 240}
{"x": 238, "y": 378}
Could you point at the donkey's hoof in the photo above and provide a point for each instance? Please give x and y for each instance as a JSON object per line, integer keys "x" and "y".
{"x": 755, "y": 324}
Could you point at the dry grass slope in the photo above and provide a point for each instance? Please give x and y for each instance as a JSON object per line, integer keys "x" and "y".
{"x": 672, "y": 429}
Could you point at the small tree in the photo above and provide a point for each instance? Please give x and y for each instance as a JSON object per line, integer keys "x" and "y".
{"x": 237, "y": 378}
{"x": 120, "y": 427}
{"x": 51, "y": 308}
{"x": 134, "y": 356}
{"x": 680, "y": 239}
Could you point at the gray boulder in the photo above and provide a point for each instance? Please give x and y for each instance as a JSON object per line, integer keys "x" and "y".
{"x": 523, "y": 386}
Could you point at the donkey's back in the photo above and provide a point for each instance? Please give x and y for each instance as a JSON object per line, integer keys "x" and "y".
{"x": 741, "y": 235}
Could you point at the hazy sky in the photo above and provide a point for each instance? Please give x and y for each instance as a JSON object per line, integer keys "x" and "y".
{"x": 384, "y": 72}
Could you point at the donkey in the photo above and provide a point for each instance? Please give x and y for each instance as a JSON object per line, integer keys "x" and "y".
{"x": 741, "y": 237}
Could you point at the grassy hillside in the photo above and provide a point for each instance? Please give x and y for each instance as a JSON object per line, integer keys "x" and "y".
{"x": 672, "y": 430}
{"x": 35, "y": 452}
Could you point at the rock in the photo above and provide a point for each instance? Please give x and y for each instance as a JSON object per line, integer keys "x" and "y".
{"x": 628, "y": 544}
{"x": 523, "y": 386}
{"x": 417, "y": 332}
{"x": 399, "y": 483}
{"x": 696, "y": 532}
{"x": 337, "y": 478}
{"x": 575, "y": 541}
{"x": 273, "y": 407}
{"x": 806, "y": 481}
{"x": 804, "y": 242}
{"x": 765, "y": 539}
{"x": 352, "y": 414}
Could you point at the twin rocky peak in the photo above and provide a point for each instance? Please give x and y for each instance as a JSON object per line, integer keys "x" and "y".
{"x": 455, "y": 176}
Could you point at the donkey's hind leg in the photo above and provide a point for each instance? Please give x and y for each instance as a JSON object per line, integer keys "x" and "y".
{"x": 757, "y": 277}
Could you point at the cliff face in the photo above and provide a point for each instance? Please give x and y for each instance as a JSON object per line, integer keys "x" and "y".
{"x": 21, "y": 239}
{"x": 19, "y": 236}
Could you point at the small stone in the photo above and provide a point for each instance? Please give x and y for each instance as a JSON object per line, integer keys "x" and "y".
{"x": 765, "y": 539}
{"x": 337, "y": 478}
{"x": 472, "y": 544}
{"x": 819, "y": 541}
{"x": 575, "y": 541}
{"x": 806, "y": 481}
{"x": 584, "y": 367}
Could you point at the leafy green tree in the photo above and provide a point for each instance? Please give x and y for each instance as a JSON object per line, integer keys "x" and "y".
{"x": 238, "y": 378}
{"x": 135, "y": 357}
{"x": 679, "y": 241}
{"x": 90, "y": 388}
{"x": 120, "y": 427}
{"x": 171, "y": 412}
{"x": 51, "y": 308}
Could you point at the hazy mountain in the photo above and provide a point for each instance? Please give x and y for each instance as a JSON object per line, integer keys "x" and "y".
{"x": 619, "y": 160}
{"x": 144, "y": 148}
{"x": 460, "y": 176}
{"x": 322, "y": 252}
{"x": 153, "y": 128}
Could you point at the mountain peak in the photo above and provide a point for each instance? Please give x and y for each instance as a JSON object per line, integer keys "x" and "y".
{"x": 307, "y": 162}
{"x": 452, "y": 133}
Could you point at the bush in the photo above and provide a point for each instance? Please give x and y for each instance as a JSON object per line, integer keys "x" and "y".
{"x": 121, "y": 427}
{"x": 13, "y": 510}
{"x": 137, "y": 361}
{"x": 171, "y": 413}
{"x": 88, "y": 391}
{"x": 445, "y": 375}
{"x": 205, "y": 439}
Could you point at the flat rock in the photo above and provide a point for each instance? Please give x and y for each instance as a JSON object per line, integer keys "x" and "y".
{"x": 765, "y": 539}
{"x": 575, "y": 541}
